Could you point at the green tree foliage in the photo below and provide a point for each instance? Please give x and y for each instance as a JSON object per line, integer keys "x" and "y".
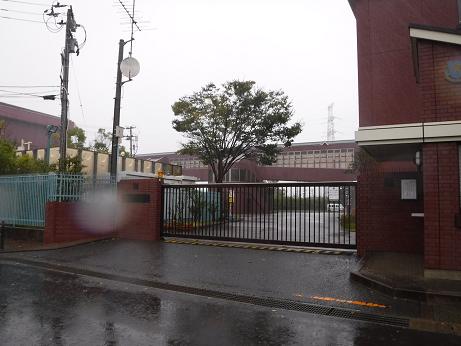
{"x": 123, "y": 152}
{"x": 7, "y": 157}
{"x": 2, "y": 128}
{"x": 234, "y": 122}
{"x": 10, "y": 163}
{"x": 73, "y": 165}
{"x": 362, "y": 162}
{"x": 26, "y": 164}
{"x": 72, "y": 134}
{"x": 102, "y": 142}
{"x": 78, "y": 134}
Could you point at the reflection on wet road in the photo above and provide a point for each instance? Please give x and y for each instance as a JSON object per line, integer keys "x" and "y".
{"x": 39, "y": 307}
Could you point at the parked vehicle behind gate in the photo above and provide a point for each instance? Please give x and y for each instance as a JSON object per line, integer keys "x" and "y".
{"x": 335, "y": 207}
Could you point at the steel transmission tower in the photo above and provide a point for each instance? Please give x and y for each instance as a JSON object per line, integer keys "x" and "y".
{"x": 331, "y": 124}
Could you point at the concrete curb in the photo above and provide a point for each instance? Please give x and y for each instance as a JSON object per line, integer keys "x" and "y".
{"x": 404, "y": 293}
{"x": 435, "y": 326}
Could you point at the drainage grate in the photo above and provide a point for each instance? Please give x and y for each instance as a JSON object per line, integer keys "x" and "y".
{"x": 259, "y": 301}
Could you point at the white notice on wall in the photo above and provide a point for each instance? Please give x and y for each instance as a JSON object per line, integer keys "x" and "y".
{"x": 408, "y": 189}
{"x": 333, "y": 193}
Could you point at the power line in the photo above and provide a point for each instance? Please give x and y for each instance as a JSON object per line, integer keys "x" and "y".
{"x": 48, "y": 95}
{"x": 30, "y": 93}
{"x": 24, "y": 12}
{"x": 21, "y": 19}
{"x": 45, "y": 97}
{"x": 29, "y": 86}
{"x": 26, "y": 3}
{"x": 78, "y": 89}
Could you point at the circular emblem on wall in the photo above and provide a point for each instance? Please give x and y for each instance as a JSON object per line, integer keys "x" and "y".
{"x": 453, "y": 71}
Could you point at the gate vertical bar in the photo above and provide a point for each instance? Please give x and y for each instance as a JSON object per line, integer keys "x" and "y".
{"x": 162, "y": 199}
{"x": 293, "y": 215}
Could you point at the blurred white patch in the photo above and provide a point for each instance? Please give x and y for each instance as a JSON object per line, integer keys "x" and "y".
{"x": 100, "y": 212}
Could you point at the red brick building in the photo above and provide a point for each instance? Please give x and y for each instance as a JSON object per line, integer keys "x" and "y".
{"x": 311, "y": 162}
{"x": 409, "y": 62}
{"x": 27, "y": 125}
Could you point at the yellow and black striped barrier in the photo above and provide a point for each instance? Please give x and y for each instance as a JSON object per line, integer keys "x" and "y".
{"x": 259, "y": 247}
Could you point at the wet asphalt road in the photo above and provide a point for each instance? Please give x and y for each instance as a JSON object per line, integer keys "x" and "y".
{"x": 39, "y": 307}
{"x": 256, "y": 273}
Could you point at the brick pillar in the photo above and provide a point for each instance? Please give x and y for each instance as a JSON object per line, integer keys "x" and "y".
{"x": 442, "y": 239}
{"x": 141, "y": 202}
{"x": 362, "y": 216}
{"x": 50, "y": 223}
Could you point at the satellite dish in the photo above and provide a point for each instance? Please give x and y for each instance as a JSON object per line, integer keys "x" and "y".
{"x": 129, "y": 67}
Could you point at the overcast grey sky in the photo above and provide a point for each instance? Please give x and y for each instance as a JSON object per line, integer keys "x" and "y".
{"x": 307, "y": 48}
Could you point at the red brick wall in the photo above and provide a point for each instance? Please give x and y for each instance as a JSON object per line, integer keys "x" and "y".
{"x": 442, "y": 245}
{"x": 442, "y": 99}
{"x": 132, "y": 221}
{"x": 141, "y": 220}
{"x": 388, "y": 93}
{"x": 384, "y": 221}
{"x": 62, "y": 226}
{"x": 442, "y": 102}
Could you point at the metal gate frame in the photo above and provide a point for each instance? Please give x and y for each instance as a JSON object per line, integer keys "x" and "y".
{"x": 303, "y": 214}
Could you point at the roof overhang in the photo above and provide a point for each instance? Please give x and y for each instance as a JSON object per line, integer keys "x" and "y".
{"x": 442, "y": 131}
{"x": 430, "y": 33}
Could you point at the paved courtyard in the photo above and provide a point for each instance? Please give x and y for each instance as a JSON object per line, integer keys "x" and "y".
{"x": 291, "y": 226}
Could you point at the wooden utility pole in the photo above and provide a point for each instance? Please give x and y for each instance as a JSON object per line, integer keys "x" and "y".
{"x": 69, "y": 47}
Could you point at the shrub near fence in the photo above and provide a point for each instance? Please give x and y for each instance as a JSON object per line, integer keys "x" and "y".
{"x": 296, "y": 203}
{"x": 190, "y": 208}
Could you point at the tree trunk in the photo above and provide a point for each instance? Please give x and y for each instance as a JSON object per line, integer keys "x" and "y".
{"x": 220, "y": 174}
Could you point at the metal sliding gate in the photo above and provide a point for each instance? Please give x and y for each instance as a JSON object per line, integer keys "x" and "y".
{"x": 310, "y": 214}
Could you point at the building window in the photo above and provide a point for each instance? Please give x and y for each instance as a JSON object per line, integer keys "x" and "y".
{"x": 234, "y": 175}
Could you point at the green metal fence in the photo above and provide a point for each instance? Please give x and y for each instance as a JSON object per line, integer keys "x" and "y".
{"x": 74, "y": 187}
{"x": 23, "y": 198}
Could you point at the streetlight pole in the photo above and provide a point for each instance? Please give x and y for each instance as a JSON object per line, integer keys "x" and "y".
{"x": 50, "y": 130}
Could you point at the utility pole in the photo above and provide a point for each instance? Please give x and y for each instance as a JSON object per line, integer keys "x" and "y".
{"x": 69, "y": 47}
{"x": 116, "y": 123}
{"x": 130, "y": 138}
{"x": 129, "y": 68}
